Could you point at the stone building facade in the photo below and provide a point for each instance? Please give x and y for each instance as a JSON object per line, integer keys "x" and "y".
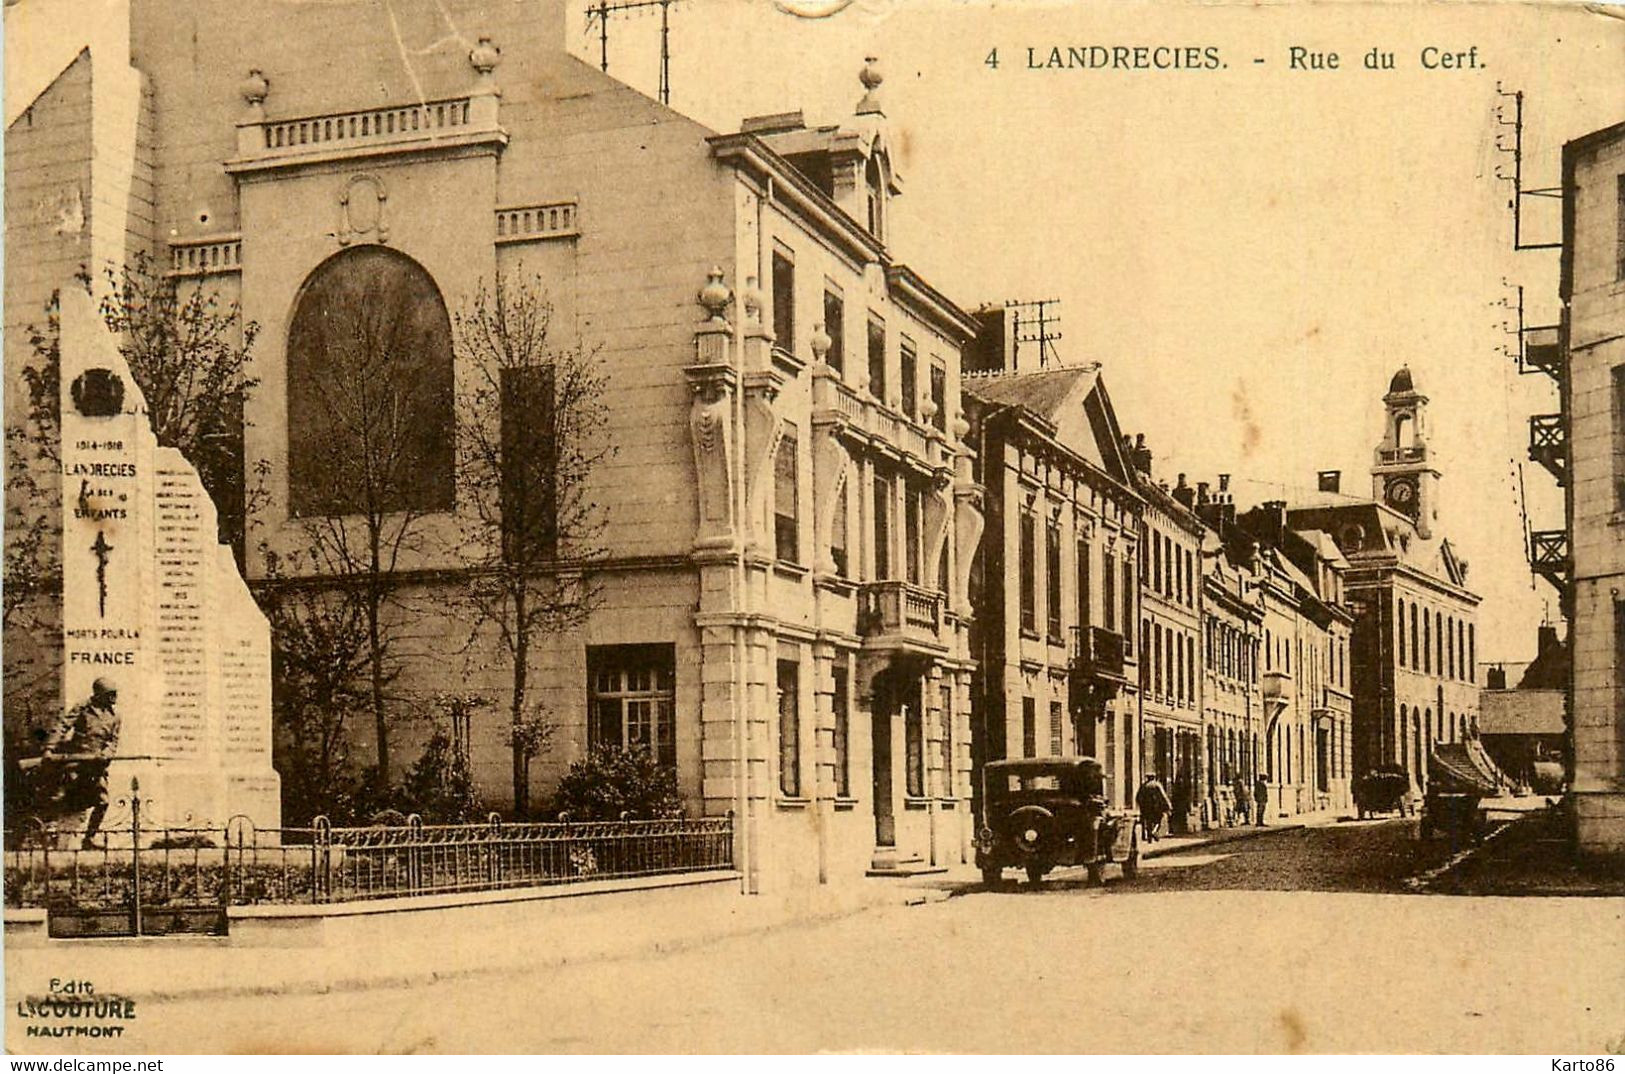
{"x": 1056, "y": 587}
{"x": 1414, "y": 640}
{"x": 791, "y": 509}
{"x": 1170, "y": 625}
{"x": 1592, "y": 382}
{"x": 1233, "y": 716}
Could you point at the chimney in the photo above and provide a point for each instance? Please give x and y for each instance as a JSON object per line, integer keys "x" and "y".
{"x": 1330, "y": 480}
{"x": 1495, "y": 679}
{"x": 1142, "y": 455}
{"x": 1224, "y": 482}
{"x": 1185, "y": 494}
{"x": 1546, "y": 640}
{"x": 1202, "y": 494}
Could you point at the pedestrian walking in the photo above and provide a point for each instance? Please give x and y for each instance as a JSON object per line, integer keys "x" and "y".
{"x": 1244, "y": 800}
{"x": 1154, "y": 804}
{"x": 1261, "y": 797}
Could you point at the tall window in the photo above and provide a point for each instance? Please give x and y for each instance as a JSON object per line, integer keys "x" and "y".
{"x": 786, "y": 494}
{"x": 790, "y": 728}
{"x": 784, "y": 301}
{"x": 630, "y": 692}
{"x": 1619, "y": 227}
{"x": 914, "y": 747}
{"x": 528, "y": 489}
{"x": 1029, "y": 728}
{"x": 1156, "y": 562}
{"x": 1416, "y": 650}
{"x": 1029, "y": 573}
{"x": 1618, "y": 374}
{"x": 1083, "y": 584}
{"x": 1145, "y": 650}
{"x": 1108, "y": 595}
{"x": 908, "y": 369}
{"x": 837, "y": 533}
{"x": 835, "y": 329}
{"x": 1052, "y": 578}
{"x": 911, "y": 531}
{"x": 939, "y": 397}
{"x": 1056, "y": 741}
{"x": 1128, "y": 606}
{"x": 1190, "y": 578}
{"x": 1190, "y": 669}
{"x": 1472, "y": 654}
{"x": 841, "y": 704}
{"x": 1401, "y": 633}
{"x": 946, "y": 711}
{"x": 882, "y": 527}
{"x": 877, "y": 358}
{"x": 1438, "y": 643}
{"x": 370, "y": 396}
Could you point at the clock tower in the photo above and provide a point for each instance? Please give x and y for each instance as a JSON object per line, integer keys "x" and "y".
{"x": 1403, "y": 477}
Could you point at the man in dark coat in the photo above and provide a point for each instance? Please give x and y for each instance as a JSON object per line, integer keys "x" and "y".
{"x": 78, "y": 751}
{"x": 1244, "y": 800}
{"x": 1261, "y": 797}
{"x": 1152, "y": 801}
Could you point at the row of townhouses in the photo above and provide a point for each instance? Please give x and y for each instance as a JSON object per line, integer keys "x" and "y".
{"x": 855, "y": 549}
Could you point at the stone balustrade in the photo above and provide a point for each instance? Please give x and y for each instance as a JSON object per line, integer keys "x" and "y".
{"x": 531, "y": 223}
{"x": 208, "y": 256}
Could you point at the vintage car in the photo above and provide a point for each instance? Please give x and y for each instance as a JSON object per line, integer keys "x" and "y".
{"x": 1039, "y": 813}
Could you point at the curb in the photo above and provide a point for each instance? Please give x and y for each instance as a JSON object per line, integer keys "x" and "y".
{"x": 1248, "y": 833}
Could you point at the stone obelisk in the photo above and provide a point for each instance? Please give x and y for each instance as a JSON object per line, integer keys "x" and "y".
{"x": 153, "y": 605}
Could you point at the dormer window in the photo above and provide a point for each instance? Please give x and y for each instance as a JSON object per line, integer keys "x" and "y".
{"x": 875, "y": 193}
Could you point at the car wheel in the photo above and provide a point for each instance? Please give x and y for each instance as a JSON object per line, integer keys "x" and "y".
{"x": 1035, "y": 872}
{"x": 1097, "y": 875}
{"x": 992, "y": 875}
{"x": 1131, "y": 866}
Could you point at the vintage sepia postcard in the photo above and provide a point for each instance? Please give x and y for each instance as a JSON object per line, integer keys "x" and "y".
{"x": 814, "y": 526}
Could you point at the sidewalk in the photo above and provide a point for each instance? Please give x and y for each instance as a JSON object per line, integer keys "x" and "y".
{"x": 960, "y": 879}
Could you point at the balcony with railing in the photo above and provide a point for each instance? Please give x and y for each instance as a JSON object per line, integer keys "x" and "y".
{"x": 1548, "y": 445}
{"x": 1397, "y": 455}
{"x": 835, "y": 400}
{"x": 1097, "y": 666}
{"x": 454, "y": 123}
{"x": 1549, "y": 557}
{"x": 899, "y": 615}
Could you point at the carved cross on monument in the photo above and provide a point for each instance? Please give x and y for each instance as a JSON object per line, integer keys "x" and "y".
{"x": 101, "y": 548}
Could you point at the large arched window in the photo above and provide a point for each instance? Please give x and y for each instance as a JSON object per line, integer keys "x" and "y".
{"x": 370, "y": 425}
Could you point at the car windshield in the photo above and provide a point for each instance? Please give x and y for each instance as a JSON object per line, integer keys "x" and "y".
{"x": 1020, "y": 783}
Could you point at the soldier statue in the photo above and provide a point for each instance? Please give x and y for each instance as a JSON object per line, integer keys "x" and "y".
{"x": 77, "y": 753}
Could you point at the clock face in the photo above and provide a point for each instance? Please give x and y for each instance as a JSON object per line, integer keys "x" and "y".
{"x": 1402, "y": 495}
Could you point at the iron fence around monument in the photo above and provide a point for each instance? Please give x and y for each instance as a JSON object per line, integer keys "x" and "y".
{"x": 153, "y": 881}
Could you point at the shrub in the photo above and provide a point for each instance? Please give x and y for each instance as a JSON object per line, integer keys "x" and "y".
{"x": 613, "y": 781}
{"x": 439, "y": 788}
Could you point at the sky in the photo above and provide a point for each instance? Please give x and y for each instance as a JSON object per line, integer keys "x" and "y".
{"x": 1250, "y": 252}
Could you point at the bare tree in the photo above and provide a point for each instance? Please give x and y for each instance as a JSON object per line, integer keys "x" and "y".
{"x": 530, "y": 426}
{"x": 188, "y": 350}
{"x": 370, "y": 449}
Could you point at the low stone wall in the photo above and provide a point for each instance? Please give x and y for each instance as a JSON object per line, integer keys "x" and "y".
{"x": 339, "y": 945}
